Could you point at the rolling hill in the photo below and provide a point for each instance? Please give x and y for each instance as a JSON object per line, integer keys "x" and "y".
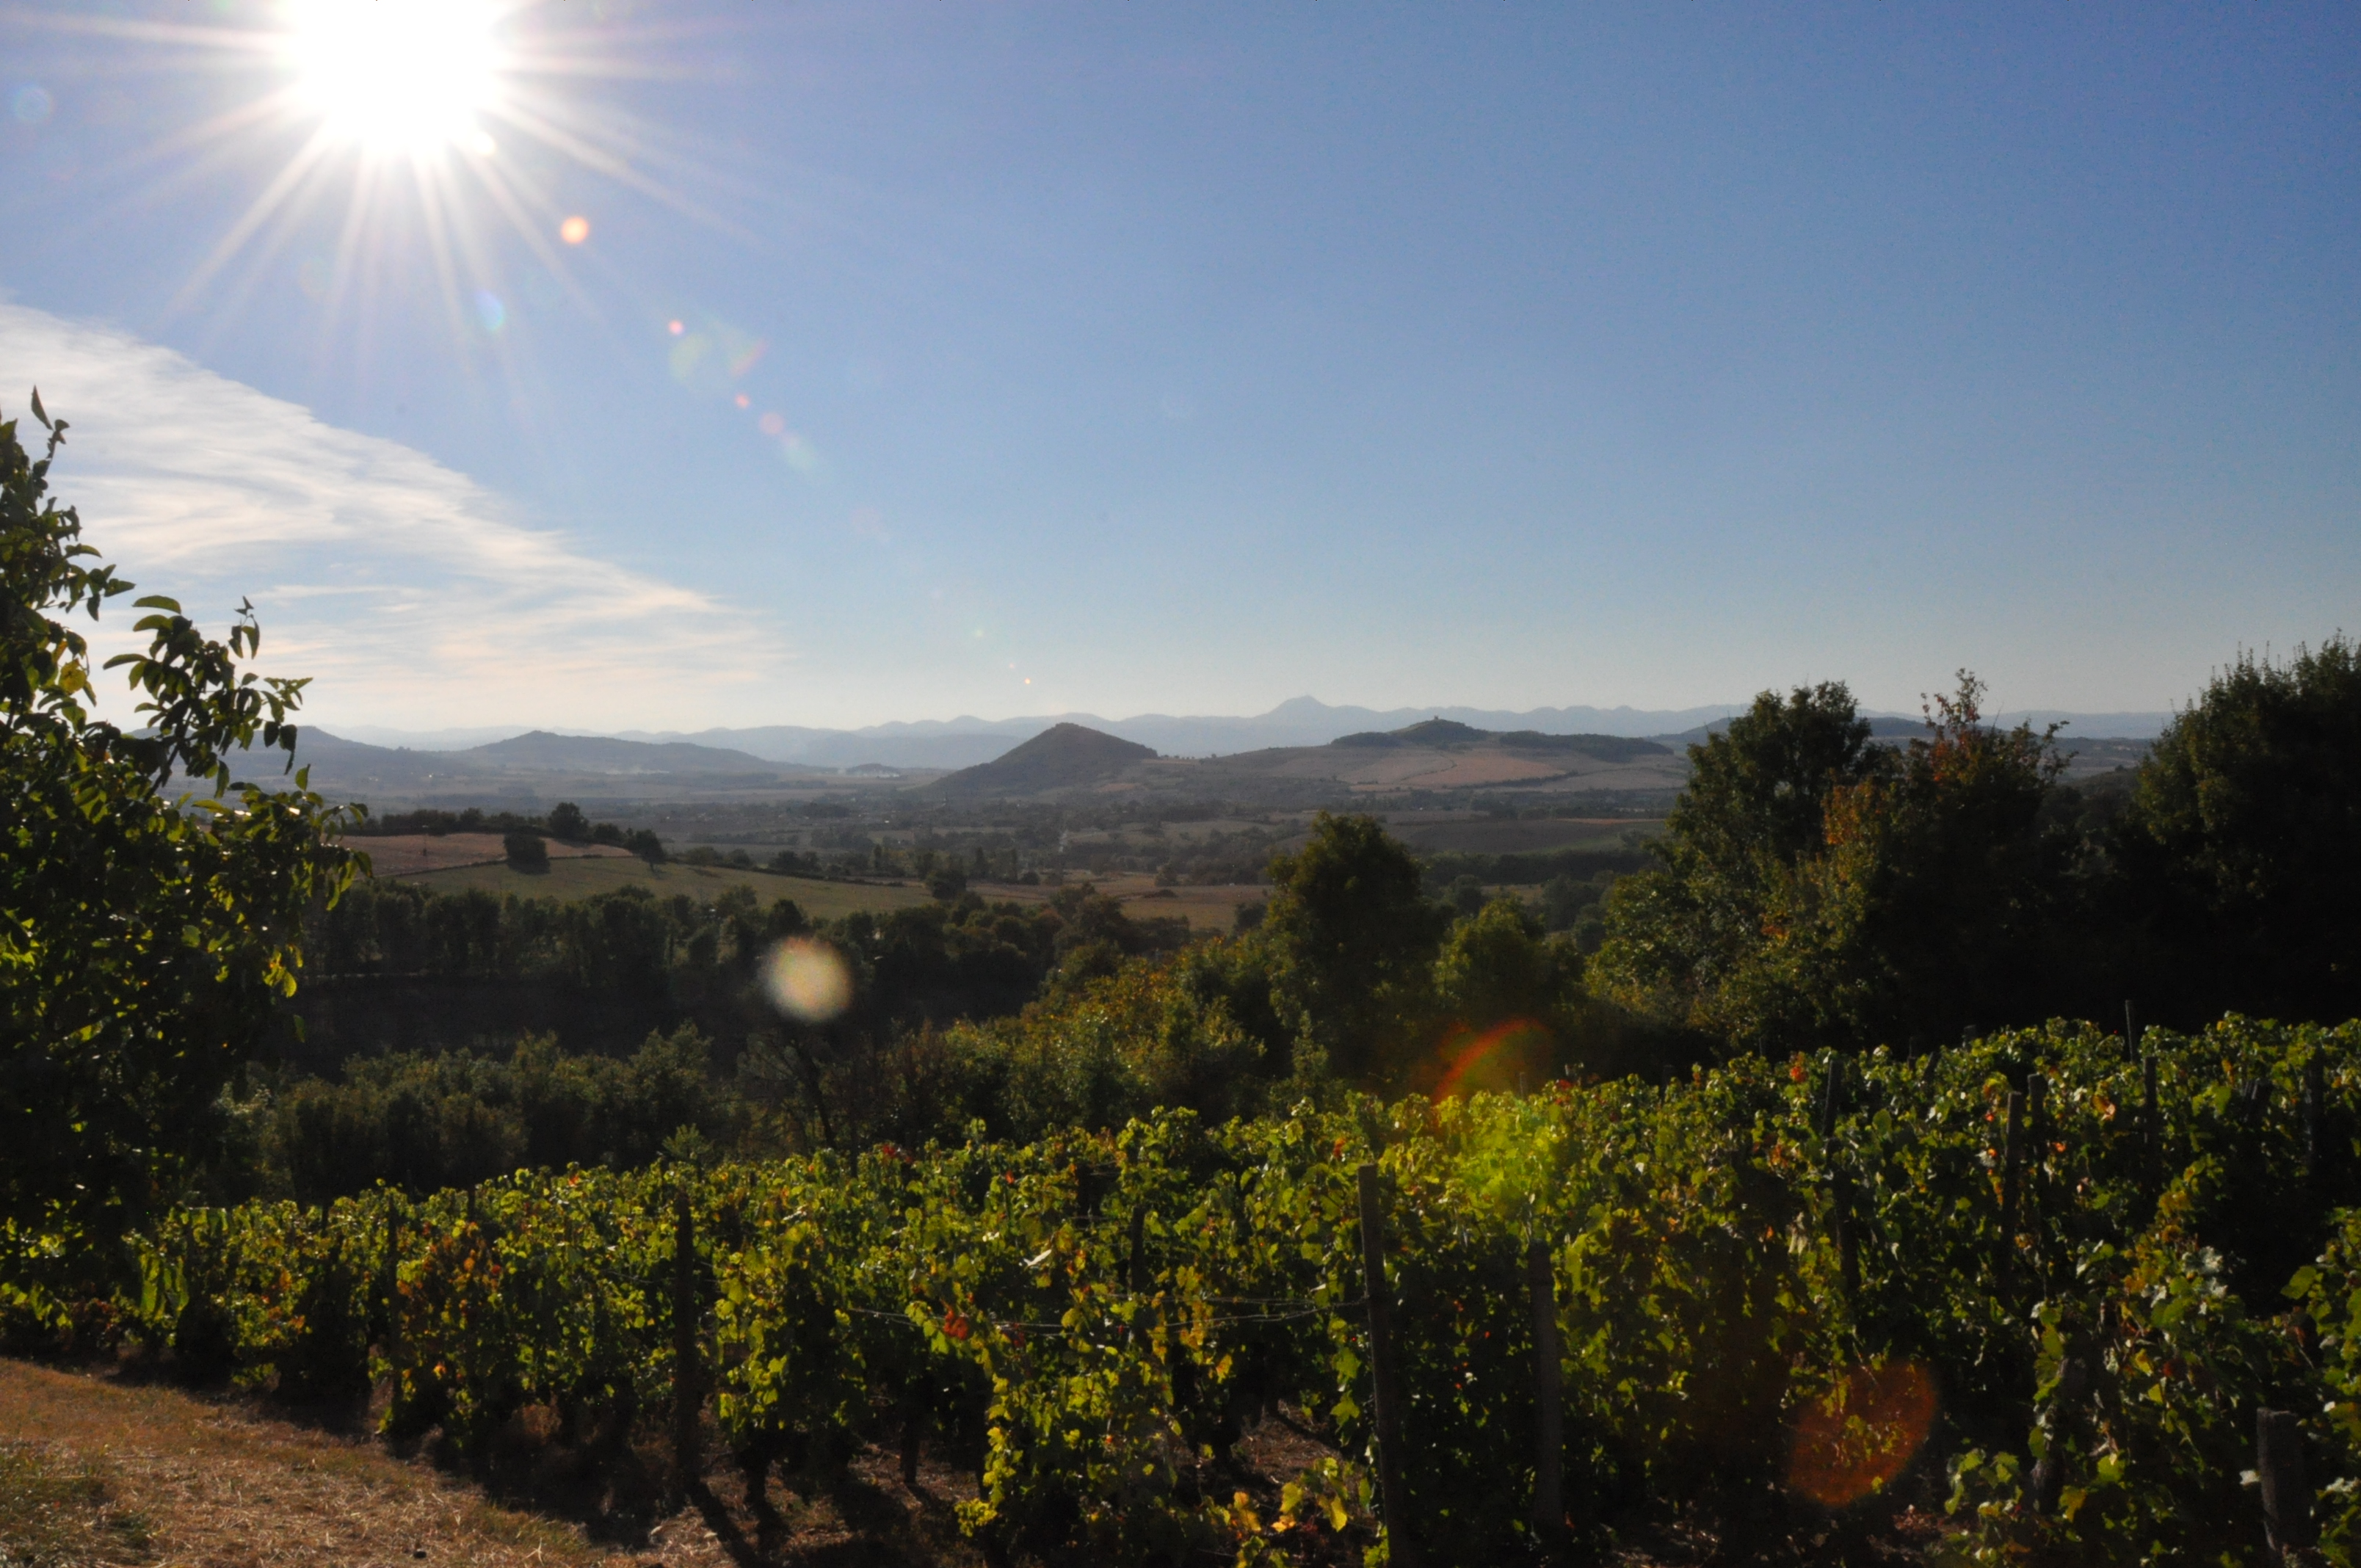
{"x": 542, "y": 751}
{"x": 538, "y": 767}
{"x": 1065, "y": 756}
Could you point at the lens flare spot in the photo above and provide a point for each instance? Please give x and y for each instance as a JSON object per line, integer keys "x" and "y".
{"x": 774, "y": 423}
{"x": 1494, "y": 1059}
{"x": 675, "y": 327}
{"x": 32, "y": 105}
{"x": 744, "y": 401}
{"x": 574, "y": 230}
{"x": 489, "y": 311}
{"x": 801, "y": 455}
{"x": 807, "y": 981}
{"x": 1857, "y": 1439}
{"x": 686, "y": 356}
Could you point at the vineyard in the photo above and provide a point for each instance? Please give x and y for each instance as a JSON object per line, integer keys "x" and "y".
{"x": 2054, "y": 1285}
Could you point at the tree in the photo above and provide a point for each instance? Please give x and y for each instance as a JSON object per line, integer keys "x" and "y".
{"x": 1352, "y": 938}
{"x": 1925, "y": 894}
{"x": 568, "y": 823}
{"x": 643, "y": 842}
{"x": 1467, "y": 895}
{"x": 2241, "y": 852}
{"x": 1499, "y": 966}
{"x": 526, "y": 849}
{"x": 1753, "y": 809}
{"x": 145, "y": 934}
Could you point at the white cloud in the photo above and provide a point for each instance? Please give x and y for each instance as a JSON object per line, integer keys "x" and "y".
{"x": 410, "y": 593}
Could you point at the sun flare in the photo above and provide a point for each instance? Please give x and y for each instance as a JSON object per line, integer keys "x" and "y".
{"x": 398, "y": 76}
{"x": 366, "y": 129}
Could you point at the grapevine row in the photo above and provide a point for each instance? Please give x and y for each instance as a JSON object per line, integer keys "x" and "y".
{"x": 2061, "y": 1272}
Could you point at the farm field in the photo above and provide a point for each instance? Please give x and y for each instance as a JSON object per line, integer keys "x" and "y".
{"x": 408, "y": 854}
{"x": 1442, "y": 832}
{"x": 586, "y": 876}
{"x": 1207, "y": 909}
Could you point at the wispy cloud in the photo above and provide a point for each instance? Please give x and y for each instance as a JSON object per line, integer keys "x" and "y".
{"x": 410, "y": 593}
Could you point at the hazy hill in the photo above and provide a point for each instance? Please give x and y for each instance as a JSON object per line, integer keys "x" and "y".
{"x": 1300, "y": 721}
{"x": 1448, "y": 735}
{"x": 1065, "y": 756}
{"x": 523, "y": 770}
{"x": 542, "y": 751}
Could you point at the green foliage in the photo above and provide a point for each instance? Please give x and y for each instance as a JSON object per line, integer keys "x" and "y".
{"x": 1095, "y": 1317}
{"x": 148, "y": 934}
{"x": 1816, "y": 887}
{"x": 455, "y": 1119}
{"x": 526, "y": 850}
{"x": 1197, "y": 1032}
{"x": 2242, "y": 845}
{"x": 1498, "y": 966}
{"x": 568, "y": 822}
{"x": 1752, "y": 812}
{"x": 1532, "y": 866}
{"x": 1352, "y": 937}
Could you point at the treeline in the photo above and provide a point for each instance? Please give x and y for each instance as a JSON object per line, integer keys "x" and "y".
{"x": 1016, "y": 1018}
{"x": 1532, "y": 867}
{"x": 395, "y": 965}
{"x": 423, "y": 1121}
{"x": 1815, "y": 887}
{"x": 1572, "y": 884}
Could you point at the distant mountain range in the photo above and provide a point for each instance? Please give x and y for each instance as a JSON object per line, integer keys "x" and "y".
{"x": 1431, "y": 755}
{"x": 525, "y": 768}
{"x": 1011, "y": 760}
{"x": 1302, "y": 721}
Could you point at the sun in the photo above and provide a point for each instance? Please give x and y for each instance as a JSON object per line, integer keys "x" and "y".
{"x": 410, "y": 77}
{"x": 368, "y": 128}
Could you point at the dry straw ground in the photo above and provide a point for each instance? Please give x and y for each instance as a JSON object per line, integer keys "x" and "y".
{"x": 98, "y": 1469}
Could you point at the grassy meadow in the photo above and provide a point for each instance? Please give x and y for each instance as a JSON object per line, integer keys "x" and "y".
{"x": 586, "y": 876}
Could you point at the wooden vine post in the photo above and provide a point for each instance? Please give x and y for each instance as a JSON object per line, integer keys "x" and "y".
{"x": 1839, "y": 1182}
{"x": 913, "y": 1428}
{"x": 2033, "y": 1151}
{"x": 2058, "y": 1424}
{"x": 1392, "y": 1499}
{"x": 2278, "y": 1466}
{"x": 687, "y": 1397}
{"x": 2151, "y": 1130}
{"x": 1549, "y": 1402}
{"x": 2315, "y": 1153}
{"x": 389, "y": 1300}
{"x": 2012, "y": 1154}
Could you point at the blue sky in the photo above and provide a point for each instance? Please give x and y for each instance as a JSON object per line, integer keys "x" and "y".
{"x": 1187, "y": 358}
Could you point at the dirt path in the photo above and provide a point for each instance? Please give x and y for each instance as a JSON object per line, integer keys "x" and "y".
{"x": 141, "y": 1474}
